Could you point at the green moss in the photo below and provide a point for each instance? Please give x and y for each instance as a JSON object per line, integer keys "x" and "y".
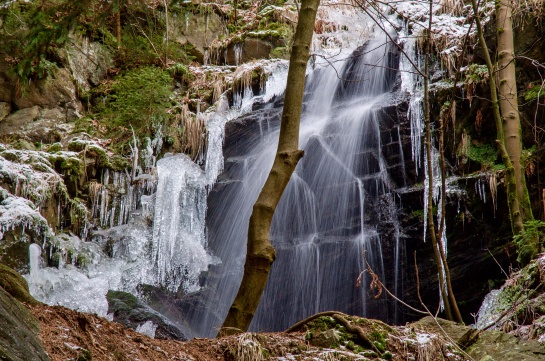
{"x": 529, "y": 241}
{"x": 84, "y": 355}
{"x": 387, "y": 355}
{"x": 72, "y": 167}
{"x": 14, "y": 284}
{"x": 119, "y": 163}
{"x": 121, "y": 301}
{"x": 181, "y": 72}
{"x": 484, "y": 154}
{"x": 138, "y": 97}
{"x": 281, "y": 52}
{"x": 418, "y": 213}
{"x": 55, "y": 147}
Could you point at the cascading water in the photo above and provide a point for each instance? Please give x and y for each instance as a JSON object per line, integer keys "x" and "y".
{"x": 338, "y": 210}
{"x": 330, "y": 213}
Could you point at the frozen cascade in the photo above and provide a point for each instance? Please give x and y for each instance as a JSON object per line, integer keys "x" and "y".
{"x": 131, "y": 264}
{"x": 179, "y": 242}
{"x": 238, "y": 53}
{"x": 179, "y": 247}
{"x": 411, "y": 84}
{"x": 67, "y": 286}
{"x": 488, "y": 312}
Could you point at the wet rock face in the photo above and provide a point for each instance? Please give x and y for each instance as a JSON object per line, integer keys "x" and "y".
{"x": 131, "y": 312}
{"x": 43, "y": 112}
{"x": 19, "y": 339}
{"x": 88, "y": 61}
{"x": 58, "y": 90}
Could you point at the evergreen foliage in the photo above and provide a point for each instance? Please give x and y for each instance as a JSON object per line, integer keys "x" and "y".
{"x": 529, "y": 240}
{"x": 139, "y": 97}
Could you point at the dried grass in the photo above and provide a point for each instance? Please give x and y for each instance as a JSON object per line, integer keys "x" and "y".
{"x": 493, "y": 185}
{"x": 193, "y": 133}
{"x": 452, "y": 7}
{"x": 249, "y": 348}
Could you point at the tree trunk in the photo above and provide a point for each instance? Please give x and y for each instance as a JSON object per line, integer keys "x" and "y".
{"x": 508, "y": 101}
{"x": 260, "y": 252}
{"x": 431, "y": 225}
{"x": 514, "y": 212}
{"x": 447, "y": 293}
{"x": 508, "y": 135}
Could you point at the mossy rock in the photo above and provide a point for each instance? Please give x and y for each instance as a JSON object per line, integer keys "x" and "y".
{"x": 19, "y": 330}
{"x": 14, "y": 284}
{"x": 14, "y": 249}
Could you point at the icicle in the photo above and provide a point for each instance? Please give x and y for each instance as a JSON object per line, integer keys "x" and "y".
{"x": 238, "y": 53}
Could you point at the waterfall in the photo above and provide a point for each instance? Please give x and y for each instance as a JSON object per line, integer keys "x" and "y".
{"x": 336, "y": 207}
{"x": 339, "y": 210}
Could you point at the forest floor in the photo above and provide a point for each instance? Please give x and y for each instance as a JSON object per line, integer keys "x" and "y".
{"x": 71, "y": 335}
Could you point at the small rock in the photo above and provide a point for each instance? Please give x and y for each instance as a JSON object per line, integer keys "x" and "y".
{"x": 328, "y": 339}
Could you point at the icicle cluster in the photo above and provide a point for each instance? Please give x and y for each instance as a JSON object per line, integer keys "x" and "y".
{"x": 115, "y": 197}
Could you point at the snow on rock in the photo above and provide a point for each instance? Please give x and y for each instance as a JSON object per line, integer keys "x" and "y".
{"x": 31, "y": 174}
{"x": 449, "y": 30}
{"x": 20, "y": 212}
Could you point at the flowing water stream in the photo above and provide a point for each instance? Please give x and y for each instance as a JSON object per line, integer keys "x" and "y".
{"x": 333, "y": 207}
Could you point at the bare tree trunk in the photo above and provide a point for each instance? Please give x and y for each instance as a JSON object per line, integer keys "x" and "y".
{"x": 508, "y": 101}
{"x": 451, "y": 307}
{"x": 451, "y": 297}
{"x": 508, "y": 138}
{"x": 166, "y": 32}
{"x": 260, "y": 252}
{"x": 514, "y": 211}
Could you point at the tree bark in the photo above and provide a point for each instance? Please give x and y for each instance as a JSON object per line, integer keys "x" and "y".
{"x": 260, "y": 252}
{"x": 508, "y": 101}
{"x": 512, "y": 201}
{"x": 451, "y": 307}
{"x": 507, "y": 121}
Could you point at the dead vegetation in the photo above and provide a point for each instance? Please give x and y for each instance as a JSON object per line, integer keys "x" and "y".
{"x": 71, "y": 335}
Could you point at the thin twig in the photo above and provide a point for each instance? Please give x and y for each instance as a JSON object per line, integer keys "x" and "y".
{"x": 499, "y": 265}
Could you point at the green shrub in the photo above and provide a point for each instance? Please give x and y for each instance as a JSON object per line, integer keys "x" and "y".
{"x": 529, "y": 240}
{"x": 138, "y": 97}
{"x": 483, "y": 154}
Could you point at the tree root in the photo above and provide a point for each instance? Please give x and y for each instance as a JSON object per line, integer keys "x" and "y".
{"x": 340, "y": 317}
